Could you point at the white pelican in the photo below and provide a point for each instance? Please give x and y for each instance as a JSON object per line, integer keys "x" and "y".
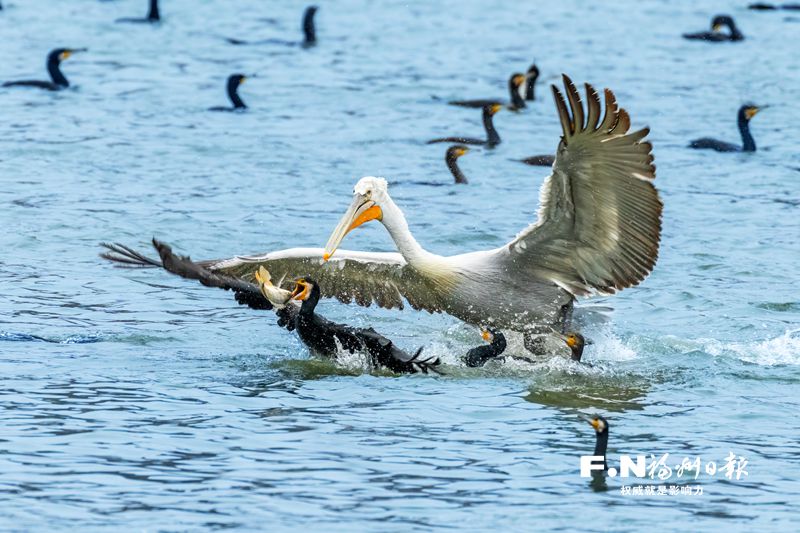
{"x": 597, "y": 232}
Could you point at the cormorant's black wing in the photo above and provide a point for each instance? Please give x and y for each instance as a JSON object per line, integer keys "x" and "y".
{"x": 39, "y": 84}
{"x": 390, "y": 356}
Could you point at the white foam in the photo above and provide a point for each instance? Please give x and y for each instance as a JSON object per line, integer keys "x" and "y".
{"x": 782, "y": 350}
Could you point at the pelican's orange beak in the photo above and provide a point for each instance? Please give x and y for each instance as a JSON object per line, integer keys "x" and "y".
{"x": 361, "y": 211}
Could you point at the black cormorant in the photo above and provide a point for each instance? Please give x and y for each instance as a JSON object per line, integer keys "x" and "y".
{"x": 309, "y": 30}
{"x": 539, "y": 160}
{"x": 715, "y": 35}
{"x": 530, "y": 82}
{"x": 152, "y": 15}
{"x": 516, "y": 91}
{"x": 318, "y": 333}
{"x": 575, "y": 342}
{"x": 54, "y": 60}
{"x": 600, "y": 426}
{"x": 326, "y": 338}
{"x": 480, "y": 355}
{"x": 760, "y": 6}
{"x": 492, "y": 137}
{"x": 309, "y": 33}
{"x": 746, "y": 112}
{"x": 451, "y": 158}
{"x": 234, "y": 80}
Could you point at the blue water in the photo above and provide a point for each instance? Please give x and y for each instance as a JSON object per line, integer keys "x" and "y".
{"x": 133, "y": 399}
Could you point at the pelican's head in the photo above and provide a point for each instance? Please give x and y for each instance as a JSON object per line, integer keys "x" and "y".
{"x": 368, "y": 196}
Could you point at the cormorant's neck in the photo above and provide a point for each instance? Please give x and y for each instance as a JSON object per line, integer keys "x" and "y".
{"x": 492, "y": 136}
{"x": 53, "y": 67}
{"x": 308, "y": 27}
{"x": 233, "y": 87}
{"x": 748, "y": 143}
{"x": 600, "y": 447}
{"x": 452, "y": 164}
{"x": 498, "y": 344}
{"x": 531, "y": 89}
{"x": 736, "y": 35}
{"x": 310, "y": 303}
{"x": 153, "y": 14}
{"x": 516, "y": 98}
{"x": 395, "y": 223}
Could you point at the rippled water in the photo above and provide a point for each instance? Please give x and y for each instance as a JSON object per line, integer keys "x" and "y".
{"x": 135, "y": 399}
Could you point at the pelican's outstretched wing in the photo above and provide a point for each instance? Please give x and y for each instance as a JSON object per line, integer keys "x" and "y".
{"x": 361, "y": 277}
{"x": 599, "y": 222}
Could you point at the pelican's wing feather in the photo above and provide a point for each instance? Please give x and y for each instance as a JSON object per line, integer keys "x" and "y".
{"x": 361, "y": 277}
{"x": 599, "y": 220}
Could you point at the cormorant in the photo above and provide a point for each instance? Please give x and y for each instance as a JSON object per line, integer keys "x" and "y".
{"x": 54, "y": 60}
{"x": 451, "y": 158}
{"x": 746, "y": 112}
{"x": 152, "y": 15}
{"x": 715, "y": 35}
{"x": 530, "y": 82}
{"x": 600, "y": 426}
{"x": 479, "y": 355}
{"x": 545, "y": 160}
{"x": 492, "y": 137}
{"x": 576, "y": 343}
{"x": 264, "y": 296}
{"x": 309, "y": 32}
{"x": 326, "y": 338}
{"x": 772, "y": 7}
{"x": 234, "y": 80}
{"x": 516, "y": 91}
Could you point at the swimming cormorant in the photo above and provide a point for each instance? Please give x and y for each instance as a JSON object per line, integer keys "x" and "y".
{"x": 152, "y": 15}
{"x": 309, "y": 30}
{"x": 746, "y": 112}
{"x": 234, "y": 80}
{"x": 451, "y": 158}
{"x": 480, "y": 355}
{"x": 326, "y": 338}
{"x": 54, "y": 60}
{"x": 545, "y": 160}
{"x": 575, "y": 342}
{"x": 309, "y": 33}
{"x": 530, "y": 82}
{"x": 600, "y": 426}
{"x": 715, "y": 35}
{"x": 492, "y": 137}
{"x": 516, "y": 90}
{"x": 772, "y": 7}
{"x": 320, "y": 332}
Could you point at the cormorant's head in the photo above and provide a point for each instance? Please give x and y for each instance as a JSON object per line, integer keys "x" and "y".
{"x": 492, "y": 109}
{"x": 599, "y": 424}
{"x": 368, "y": 196}
{"x": 236, "y": 79}
{"x": 303, "y": 288}
{"x": 487, "y": 335}
{"x": 721, "y": 21}
{"x": 60, "y": 54}
{"x": 456, "y": 151}
{"x": 575, "y": 342}
{"x": 533, "y": 72}
{"x": 748, "y": 111}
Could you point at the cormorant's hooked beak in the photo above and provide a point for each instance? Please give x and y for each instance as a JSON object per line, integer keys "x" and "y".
{"x": 301, "y": 290}
{"x": 361, "y": 211}
{"x": 593, "y": 421}
{"x": 753, "y": 111}
{"x": 67, "y": 53}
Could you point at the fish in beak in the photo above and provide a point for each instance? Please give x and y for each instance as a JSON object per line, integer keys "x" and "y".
{"x": 278, "y": 297}
{"x": 361, "y": 211}
{"x": 301, "y": 290}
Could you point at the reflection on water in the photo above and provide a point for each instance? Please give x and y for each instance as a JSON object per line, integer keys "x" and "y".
{"x": 135, "y": 400}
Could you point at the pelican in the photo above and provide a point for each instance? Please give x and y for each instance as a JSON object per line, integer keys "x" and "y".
{"x": 598, "y": 231}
